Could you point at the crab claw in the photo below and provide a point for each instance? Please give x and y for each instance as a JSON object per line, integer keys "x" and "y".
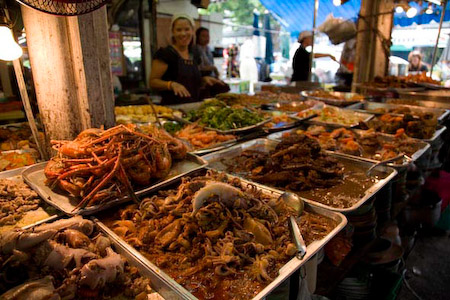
{"x": 227, "y": 194}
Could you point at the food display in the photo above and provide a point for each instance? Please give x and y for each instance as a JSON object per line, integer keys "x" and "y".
{"x": 258, "y": 99}
{"x": 334, "y": 98}
{"x": 216, "y": 114}
{"x": 295, "y": 106}
{"x": 66, "y": 259}
{"x": 218, "y": 237}
{"x": 297, "y": 164}
{"x": 420, "y": 126}
{"x": 391, "y": 82}
{"x": 16, "y": 159}
{"x": 279, "y": 120}
{"x": 335, "y": 116}
{"x": 16, "y": 138}
{"x": 20, "y": 205}
{"x": 142, "y": 113}
{"x": 421, "y": 78}
{"x": 363, "y": 143}
{"x": 200, "y": 138}
{"x": 101, "y": 165}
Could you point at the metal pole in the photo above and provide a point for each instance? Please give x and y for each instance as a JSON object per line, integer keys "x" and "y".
{"x": 433, "y": 61}
{"x": 27, "y": 107}
{"x": 311, "y": 57}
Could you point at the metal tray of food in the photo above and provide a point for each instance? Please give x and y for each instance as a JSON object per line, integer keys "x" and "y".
{"x": 30, "y": 218}
{"x": 241, "y": 130}
{"x": 436, "y": 136}
{"x": 384, "y": 173}
{"x": 372, "y": 107}
{"x": 432, "y": 86}
{"x": 275, "y": 127}
{"x": 345, "y": 113}
{"x": 34, "y": 176}
{"x": 334, "y": 98}
{"x": 285, "y": 271}
{"x": 420, "y": 103}
{"x": 422, "y": 148}
{"x": 292, "y": 107}
{"x": 164, "y": 285}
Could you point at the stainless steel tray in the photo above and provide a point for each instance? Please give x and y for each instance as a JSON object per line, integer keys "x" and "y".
{"x": 423, "y": 147}
{"x": 296, "y": 106}
{"x": 287, "y": 270}
{"x": 30, "y": 218}
{"x": 345, "y": 99}
{"x": 293, "y": 122}
{"x": 214, "y": 162}
{"x": 369, "y": 107}
{"x": 35, "y": 178}
{"x": 365, "y": 117}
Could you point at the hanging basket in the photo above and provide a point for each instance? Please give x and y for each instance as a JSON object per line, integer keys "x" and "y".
{"x": 65, "y": 7}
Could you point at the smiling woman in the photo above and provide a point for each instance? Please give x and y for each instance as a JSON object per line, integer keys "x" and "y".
{"x": 175, "y": 69}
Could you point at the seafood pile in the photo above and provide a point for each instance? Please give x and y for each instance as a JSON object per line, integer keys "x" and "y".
{"x": 216, "y": 114}
{"x": 369, "y": 143}
{"x": 421, "y": 78}
{"x": 420, "y": 126}
{"x": 16, "y": 198}
{"x": 216, "y": 236}
{"x": 200, "y": 138}
{"x": 334, "y": 115}
{"x": 297, "y": 163}
{"x": 100, "y": 165}
{"x": 66, "y": 259}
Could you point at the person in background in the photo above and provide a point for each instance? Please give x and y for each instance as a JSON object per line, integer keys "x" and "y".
{"x": 301, "y": 62}
{"x": 206, "y": 57}
{"x": 415, "y": 62}
{"x": 175, "y": 69}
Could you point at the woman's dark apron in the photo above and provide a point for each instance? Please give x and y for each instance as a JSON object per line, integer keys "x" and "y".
{"x": 189, "y": 76}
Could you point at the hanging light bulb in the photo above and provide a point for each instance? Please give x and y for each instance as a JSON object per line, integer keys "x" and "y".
{"x": 411, "y": 12}
{"x": 429, "y": 10}
{"x": 339, "y": 2}
{"x": 9, "y": 50}
{"x": 399, "y": 9}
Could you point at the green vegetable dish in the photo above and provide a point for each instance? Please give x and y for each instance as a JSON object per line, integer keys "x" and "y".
{"x": 216, "y": 114}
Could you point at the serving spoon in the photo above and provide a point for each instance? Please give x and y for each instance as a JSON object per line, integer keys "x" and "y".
{"x": 297, "y": 204}
{"x": 384, "y": 162}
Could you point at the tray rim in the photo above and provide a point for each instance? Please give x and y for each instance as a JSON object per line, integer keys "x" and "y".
{"x": 367, "y": 195}
{"x": 336, "y": 102}
{"x": 93, "y": 209}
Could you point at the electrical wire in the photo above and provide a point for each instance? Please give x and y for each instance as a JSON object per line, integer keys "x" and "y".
{"x": 408, "y": 286}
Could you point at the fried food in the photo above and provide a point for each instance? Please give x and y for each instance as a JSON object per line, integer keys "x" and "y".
{"x": 216, "y": 236}
{"x": 419, "y": 125}
{"x": 334, "y": 115}
{"x": 200, "y": 138}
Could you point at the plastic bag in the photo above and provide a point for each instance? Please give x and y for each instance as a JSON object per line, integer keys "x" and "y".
{"x": 338, "y": 29}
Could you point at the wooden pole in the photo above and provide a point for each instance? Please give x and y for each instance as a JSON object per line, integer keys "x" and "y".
{"x": 69, "y": 57}
{"x": 27, "y": 107}
{"x": 433, "y": 61}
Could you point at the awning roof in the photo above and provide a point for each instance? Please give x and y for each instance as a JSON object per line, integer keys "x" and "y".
{"x": 297, "y": 15}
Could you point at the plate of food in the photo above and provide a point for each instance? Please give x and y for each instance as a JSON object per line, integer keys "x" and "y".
{"x": 334, "y": 116}
{"x": 334, "y": 98}
{"x": 101, "y": 168}
{"x": 216, "y": 115}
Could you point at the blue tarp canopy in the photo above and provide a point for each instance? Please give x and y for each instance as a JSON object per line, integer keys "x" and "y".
{"x": 297, "y": 15}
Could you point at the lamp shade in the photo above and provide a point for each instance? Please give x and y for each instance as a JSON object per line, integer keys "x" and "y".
{"x": 9, "y": 50}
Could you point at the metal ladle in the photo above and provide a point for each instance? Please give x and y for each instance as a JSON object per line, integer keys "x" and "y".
{"x": 297, "y": 204}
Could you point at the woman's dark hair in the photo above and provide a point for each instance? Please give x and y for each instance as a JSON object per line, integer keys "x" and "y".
{"x": 198, "y": 32}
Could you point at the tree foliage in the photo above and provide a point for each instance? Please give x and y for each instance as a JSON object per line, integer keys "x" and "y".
{"x": 241, "y": 11}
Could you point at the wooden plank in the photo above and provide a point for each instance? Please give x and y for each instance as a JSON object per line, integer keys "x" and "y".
{"x": 69, "y": 57}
